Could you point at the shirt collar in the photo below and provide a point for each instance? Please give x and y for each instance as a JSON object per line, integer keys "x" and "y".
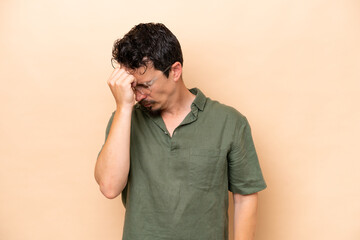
{"x": 200, "y": 98}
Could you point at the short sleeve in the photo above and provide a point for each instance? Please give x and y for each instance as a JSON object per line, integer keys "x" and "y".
{"x": 107, "y": 131}
{"x": 245, "y": 176}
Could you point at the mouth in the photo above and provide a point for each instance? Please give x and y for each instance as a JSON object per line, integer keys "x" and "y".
{"x": 146, "y": 104}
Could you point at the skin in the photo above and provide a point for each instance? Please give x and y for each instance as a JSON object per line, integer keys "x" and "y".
{"x": 169, "y": 97}
{"x": 113, "y": 164}
{"x": 245, "y": 210}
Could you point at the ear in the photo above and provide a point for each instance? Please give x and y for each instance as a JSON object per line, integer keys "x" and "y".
{"x": 176, "y": 70}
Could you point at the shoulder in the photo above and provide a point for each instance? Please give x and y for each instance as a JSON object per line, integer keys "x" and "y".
{"x": 221, "y": 109}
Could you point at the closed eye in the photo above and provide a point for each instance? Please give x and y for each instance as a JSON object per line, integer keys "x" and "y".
{"x": 146, "y": 84}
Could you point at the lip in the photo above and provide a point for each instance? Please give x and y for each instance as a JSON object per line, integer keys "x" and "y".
{"x": 147, "y": 105}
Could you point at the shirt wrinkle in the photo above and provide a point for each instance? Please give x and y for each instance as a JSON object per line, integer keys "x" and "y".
{"x": 178, "y": 186}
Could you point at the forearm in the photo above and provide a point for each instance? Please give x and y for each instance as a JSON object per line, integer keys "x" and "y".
{"x": 245, "y": 208}
{"x": 113, "y": 164}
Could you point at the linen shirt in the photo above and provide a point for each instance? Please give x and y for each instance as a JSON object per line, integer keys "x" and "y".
{"x": 178, "y": 186}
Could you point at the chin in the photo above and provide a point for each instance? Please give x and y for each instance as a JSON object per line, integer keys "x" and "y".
{"x": 154, "y": 109}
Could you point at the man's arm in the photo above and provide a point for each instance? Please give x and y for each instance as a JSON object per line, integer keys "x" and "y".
{"x": 113, "y": 163}
{"x": 245, "y": 209}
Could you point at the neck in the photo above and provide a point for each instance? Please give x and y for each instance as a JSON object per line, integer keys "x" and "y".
{"x": 180, "y": 102}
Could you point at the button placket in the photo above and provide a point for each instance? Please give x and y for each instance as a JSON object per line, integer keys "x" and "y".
{"x": 173, "y": 142}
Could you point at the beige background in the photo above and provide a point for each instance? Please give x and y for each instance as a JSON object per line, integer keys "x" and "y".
{"x": 291, "y": 67}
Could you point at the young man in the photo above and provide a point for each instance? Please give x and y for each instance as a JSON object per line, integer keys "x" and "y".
{"x": 175, "y": 153}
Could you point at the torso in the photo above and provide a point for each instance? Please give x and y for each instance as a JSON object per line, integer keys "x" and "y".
{"x": 173, "y": 182}
{"x": 172, "y": 123}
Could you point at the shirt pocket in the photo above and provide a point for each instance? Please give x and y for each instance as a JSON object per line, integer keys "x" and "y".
{"x": 207, "y": 168}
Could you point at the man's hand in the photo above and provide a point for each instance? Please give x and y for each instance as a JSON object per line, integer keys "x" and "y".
{"x": 120, "y": 83}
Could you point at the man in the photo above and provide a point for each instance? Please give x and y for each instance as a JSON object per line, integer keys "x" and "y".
{"x": 175, "y": 153}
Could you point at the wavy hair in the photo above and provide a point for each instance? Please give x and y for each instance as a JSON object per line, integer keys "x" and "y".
{"x": 148, "y": 42}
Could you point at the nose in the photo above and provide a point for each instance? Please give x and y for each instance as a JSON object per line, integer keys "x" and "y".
{"x": 139, "y": 96}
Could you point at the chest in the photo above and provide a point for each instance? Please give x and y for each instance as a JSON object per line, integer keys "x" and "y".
{"x": 171, "y": 123}
{"x": 186, "y": 159}
{"x": 195, "y": 154}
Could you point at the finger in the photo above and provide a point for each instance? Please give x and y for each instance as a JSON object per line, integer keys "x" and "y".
{"x": 113, "y": 74}
{"x": 121, "y": 74}
{"x": 125, "y": 80}
{"x": 114, "y": 71}
{"x": 133, "y": 84}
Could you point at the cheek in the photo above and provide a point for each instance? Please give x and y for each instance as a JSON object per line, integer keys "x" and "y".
{"x": 159, "y": 93}
{"x": 162, "y": 90}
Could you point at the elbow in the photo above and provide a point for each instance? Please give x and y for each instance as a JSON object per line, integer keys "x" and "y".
{"x": 108, "y": 192}
{"x": 110, "y": 187}
{"x": 111, "y": 192}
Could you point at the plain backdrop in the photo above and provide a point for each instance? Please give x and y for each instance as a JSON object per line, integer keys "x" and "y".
{"x": 291, "y": 67}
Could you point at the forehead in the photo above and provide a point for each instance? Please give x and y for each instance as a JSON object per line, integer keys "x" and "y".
{"x": 145, "y": 74}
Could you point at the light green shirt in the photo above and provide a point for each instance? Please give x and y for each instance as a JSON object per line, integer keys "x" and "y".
{"x": 178, "y": 186}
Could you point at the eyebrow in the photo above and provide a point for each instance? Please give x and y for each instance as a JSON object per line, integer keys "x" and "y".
{"x": 148, "y": 82}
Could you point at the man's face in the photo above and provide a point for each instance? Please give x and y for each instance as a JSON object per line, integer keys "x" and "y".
{"x": 151, "y": 88}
